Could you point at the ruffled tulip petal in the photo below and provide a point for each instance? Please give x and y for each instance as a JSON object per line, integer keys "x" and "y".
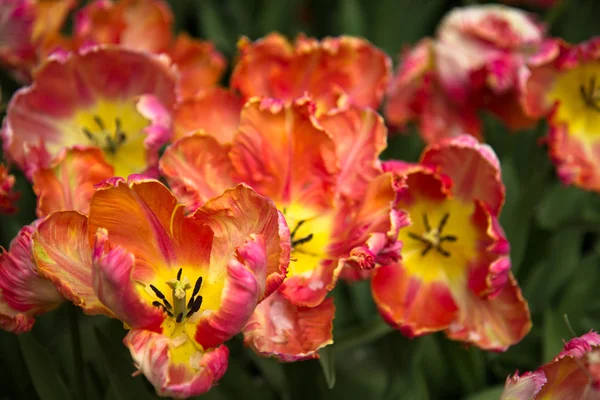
{"x": 523, "y": 387}
{"x": 134, "y": 24}
{"x": 197, "y": 168}
{"x": 412, "y": 305}
{"x": 242, "y": 290}
{"x": 8, "y": 197}
{"x": 112, "y": 267}
{"x": 283, "y": 153}
{"x": 360, "y": 136}
{"x": 88, "y": 98}
{"x": 24, "y": 293}
{"x": 493, "y": 323}
{"x": 216, "y": 112}
{"x": 176, "y": 370}
{"x": 473, "y": 167}
{"x": 309, "y": 288}
{"x": 234, "y": 217}
{"x": 69, "y": 183}
{"x": 63, "y": 254}
{"x": 199, "y": 63}
{"x": 345, "y": 67}
{"x": 287, "y": 332}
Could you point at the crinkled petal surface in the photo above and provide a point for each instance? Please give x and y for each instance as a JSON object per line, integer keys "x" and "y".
{"x": 345, "y": 67}
{"x": 69, "y": 183}
{"x": 63, "y": 254}
{"x": 288, "y": 332}
{"x": 24, "y": 293}
{"x": 524, "y": 387}
{"x": 216, "y": 112}
{"x": 197, "y": 168}
{"x": 174, "y": 370}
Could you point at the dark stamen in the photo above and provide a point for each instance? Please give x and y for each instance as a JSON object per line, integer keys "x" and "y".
{"x": 167, "y": 304}
{"x": 195, "y": 292}
{"x": 589, "y": 96}
{"x": 169, "y": 313}
{"x": 197, "y": 304}
{"x": 448, "y": 238}
{"x": 442, "y": 251}
{"x": 302, "y": 240}
{"x": 417, "y": 237}
{"x": 443, "y": 222}
{"x": 157, "y": 292}
{"x": 179, "y": 274}
{"x": 157, "y": 304}
{"x": 426, "y": 222}
{"x": 298, "y": 225}
{"x": 179, "y": 317}
{"x": 89, "y": 134}
{"x": 426, "y": 249}
{"x": 99, "y": 122}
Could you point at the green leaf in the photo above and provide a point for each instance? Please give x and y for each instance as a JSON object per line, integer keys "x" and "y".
{"x": 559, "y": 205}
{"x": 119, "y": 370}
{"x": 43, "y": 370}
{"x": 213, "y": 26}
{"x": 556, "y": 333}
{"x": 351, "y": 18}
{"x": 327, "y": 361}
{"x": 272, "y": 371}
{"x": 493, "y": 393}
{"x": 275, "y": 15}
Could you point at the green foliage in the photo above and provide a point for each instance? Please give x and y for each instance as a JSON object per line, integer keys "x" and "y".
{"x": 553, "y": 231}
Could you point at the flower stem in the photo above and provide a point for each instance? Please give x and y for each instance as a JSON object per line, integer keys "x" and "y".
{"x": 78, "y": 372}
{"x": 362, "y": 335}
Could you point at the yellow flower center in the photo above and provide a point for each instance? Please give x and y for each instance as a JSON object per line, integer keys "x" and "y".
{"x": 310, "y": 236}
{"x": 578, "y": 94}
{"x": 179, "y": 307}
{"x": 441, "y": 240}
{"x": 117, "y": 128}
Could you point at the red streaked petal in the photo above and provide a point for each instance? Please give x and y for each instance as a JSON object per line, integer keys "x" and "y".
{"x": 69, "y": 183}
{"x": 151, "y": 353}
{"x": 243, "y": 288}
{"x": 310, "y": 288}
{"x": 288, "y": 332}
{"x": 411, "y": 305}
{"x": 64, "y": 255}
{"x": 473, "y": 167}
{"x": 197, "y": 168}
{"x": 523, "y": 387}
{"x": 8, "y": 197}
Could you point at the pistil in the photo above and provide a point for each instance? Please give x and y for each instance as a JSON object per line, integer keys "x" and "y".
{"x": 102, "y": 137}
{"x": 432, "y": 237}
{"x": 181, "y": 309}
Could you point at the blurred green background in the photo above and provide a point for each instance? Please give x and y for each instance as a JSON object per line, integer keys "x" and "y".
{"x": 553, "y": 230}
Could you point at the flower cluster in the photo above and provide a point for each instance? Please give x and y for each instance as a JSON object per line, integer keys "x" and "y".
{"x": 276, "y": 187}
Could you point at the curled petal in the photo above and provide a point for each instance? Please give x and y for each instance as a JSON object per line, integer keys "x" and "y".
{"x": 95, "y": 90}
{"x": 133, "y": 24}
{"x": 493, "y": 323}
{"x": 69, "y": 183}
{"x": 112, "y": 267}
{"x": 360, "y": 136}
{"x": 64, "y": 255}
{"x": 473, "y": 167}
{"x": 412, "y": 305}
{"x": 24, "y": 293}
{"x": 197, "y": 168}
{"x": 309, "y": 288}
{"x": 283, "y": 153}
{"x": 328, "y": 70}
{"x": 243, "y": 288}
{"x": 200, "y": 65}
{"x": 216, "y": 112}
{"x": 523, "y": 387}
{"x": 8, "y": 197}
{"x": 238, "y": 214}
{"x": 288, "y": 332}
{"x": 163, "y": 361}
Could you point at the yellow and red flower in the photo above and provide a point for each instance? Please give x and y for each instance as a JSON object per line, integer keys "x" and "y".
{"x": 472, "y": 64}
{"x": 455, "y": 269}
{"x": 7, "y": 196}
{"x": 182, "y": 284}
{"x": 68, "y": 184}
{"x": 27, "y": 31}
{"x": 337, "y": 70}
{"x": 573, "y": 374}
{"x": 561, "y": 84}
{"x": 105, "y": 97}
{"x": 146, "y": 25}
{"x": 24, "y": 293}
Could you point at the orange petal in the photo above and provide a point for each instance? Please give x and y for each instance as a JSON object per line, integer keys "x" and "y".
{"x": 413, "y": 306}
{"x": 69, "y": 183}
{"x": 288, "y": 332}
{"x": 24, "y": 292}
{"x": 281, "y": 152}
{"x": 309, "y": 288}
{"x": 360, "y": 136}
{"x": 64, "y": 255}
{"x": 172, "y": 377}
{"x": 216, "y": 112}
{"x": 328, "y": 70}
{"x": 197, "y": 168}
{"x": 200, "y": 65}
{"x": 240, "y": 213}
{"x": 492, "y": 323}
